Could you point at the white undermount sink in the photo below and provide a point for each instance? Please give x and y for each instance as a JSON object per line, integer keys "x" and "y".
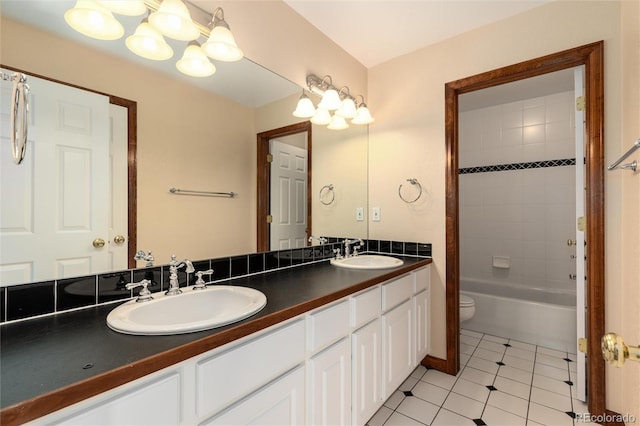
{"x": 187, "y": 312}
{"x": 368, "y": 261}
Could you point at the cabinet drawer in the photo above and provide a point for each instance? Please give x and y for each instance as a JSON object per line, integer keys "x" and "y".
{"x": 422, "y": 279}
{"x": 226, "y": 377}
{"x": 397, "y": 291}
{"x": 365, "y": 306}
{"x": 328, "y": 325}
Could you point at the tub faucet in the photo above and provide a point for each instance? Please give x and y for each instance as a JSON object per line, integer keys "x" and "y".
{"x": 174, "y": 265}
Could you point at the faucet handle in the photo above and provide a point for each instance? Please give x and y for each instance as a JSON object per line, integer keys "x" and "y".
{"x": 145, "y": 294}
{"x": 338, "y": 253}
{"x": 200, "y": 284}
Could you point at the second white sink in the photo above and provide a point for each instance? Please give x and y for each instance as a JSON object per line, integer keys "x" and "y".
{"x": 368, "y": 261}
{"x": 187, "y": 312}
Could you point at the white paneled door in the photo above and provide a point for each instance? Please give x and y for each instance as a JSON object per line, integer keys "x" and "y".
{"x": 288, "y": 196}
{"x": 55, "y": 205}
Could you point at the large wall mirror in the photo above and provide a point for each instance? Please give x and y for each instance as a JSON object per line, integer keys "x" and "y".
{"x": 191, "y": 134}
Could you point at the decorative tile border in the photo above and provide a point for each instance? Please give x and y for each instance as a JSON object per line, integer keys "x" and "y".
{"x": 518, "y": 166}
{"x": 23, "y": 301}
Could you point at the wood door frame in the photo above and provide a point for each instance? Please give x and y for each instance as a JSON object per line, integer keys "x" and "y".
{"x": 591, "y": 56}
{"x": 264, "y": 176}
{"x": 132, "y": 162}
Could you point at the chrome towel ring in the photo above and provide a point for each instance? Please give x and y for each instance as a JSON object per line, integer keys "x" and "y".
{"x": 412, "y": 181}
{"x": 324, "y": 193}
{"x": 19, "y": 115}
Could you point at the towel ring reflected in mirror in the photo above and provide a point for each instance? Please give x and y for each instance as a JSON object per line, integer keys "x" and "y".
{"x": 324, "y": 193}
{"x": 412, "y": 181}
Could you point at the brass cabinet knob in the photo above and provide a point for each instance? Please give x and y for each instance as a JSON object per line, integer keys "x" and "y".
{"x": 615, "y": 352}
{"x": 98, "y": 243}
{"x": 118, "y": 239}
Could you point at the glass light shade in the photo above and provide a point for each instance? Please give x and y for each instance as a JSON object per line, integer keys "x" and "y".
{"x": 149, "y": 43}
{"x": 174, "y": 20}
{"x": 195, "y": 63}
{"x": 125, "y": 7}
{"x": 347, "y": 109}
{"x": 337, "y": 123}
{"x": 91, "y": 19}
{"x": 321, "y": 117}
{"x": 304, "y": 108}
{"x": 222, "y": 46}
{"x": 363, "y": 115}
{"x": 330, "y": 100}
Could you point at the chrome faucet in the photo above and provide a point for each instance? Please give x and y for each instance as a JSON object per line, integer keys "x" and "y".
{"x": 144, "y": 295}
{"x": 148, "y": 257}
{"x": 320, "y": 240}
{"x": 174, "y": 265}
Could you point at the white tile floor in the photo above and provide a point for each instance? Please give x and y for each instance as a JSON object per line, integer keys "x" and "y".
{"x": 501, "y": 382}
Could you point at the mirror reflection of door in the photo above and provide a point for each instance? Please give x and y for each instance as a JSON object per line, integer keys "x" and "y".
{"x": 53, "y": 219}
{"x": 288, "y": 203}
{"x": 284, "y": 182}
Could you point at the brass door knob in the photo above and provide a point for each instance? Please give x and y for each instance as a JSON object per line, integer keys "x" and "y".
{"x": 98, "y": 243}
{"x": 118, "y": 239}
{"x": 615, "y": 352}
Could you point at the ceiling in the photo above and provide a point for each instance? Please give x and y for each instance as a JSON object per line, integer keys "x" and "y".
{"x": 387, "y": 29}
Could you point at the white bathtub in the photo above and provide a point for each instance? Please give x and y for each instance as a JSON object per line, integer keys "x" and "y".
{"x": 528, "y": 315}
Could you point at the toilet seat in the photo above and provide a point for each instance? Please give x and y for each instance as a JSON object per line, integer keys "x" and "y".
{"x": 466, "y": 301}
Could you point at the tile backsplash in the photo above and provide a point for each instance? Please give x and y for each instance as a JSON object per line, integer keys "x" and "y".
{"x": 33, "y": 299}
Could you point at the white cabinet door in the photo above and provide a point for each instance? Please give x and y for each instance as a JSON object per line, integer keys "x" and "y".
{"x": 398, "y": 352}
{"x": 154, "y": 402}
{"x": 280, "y": 403}
{"x": 421, "y": 309}
{"x": 366, "y": 349}
{"x": 329, "y": 397}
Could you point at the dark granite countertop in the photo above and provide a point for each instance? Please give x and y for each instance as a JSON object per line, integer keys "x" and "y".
{"x": 51, "y": 362}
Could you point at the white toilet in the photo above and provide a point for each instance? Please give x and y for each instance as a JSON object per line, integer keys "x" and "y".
{"x": 467, "y": 307}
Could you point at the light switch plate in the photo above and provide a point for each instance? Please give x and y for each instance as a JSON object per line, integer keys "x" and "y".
{"x": 359, "y": 214}
{"x": 375, "y": 214}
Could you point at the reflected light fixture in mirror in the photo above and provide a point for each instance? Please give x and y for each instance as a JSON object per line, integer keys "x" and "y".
{"x": 194, "y": 62}
{"x": 171, "y": 18}
{"x": 148, "y": 43}
{"x": 304, "y": 108}
{"x": 93, "y": 20}
{"x": 346, "y": 106}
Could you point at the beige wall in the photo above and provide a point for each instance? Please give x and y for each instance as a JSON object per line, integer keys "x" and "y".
{"x": 406, "y": 95}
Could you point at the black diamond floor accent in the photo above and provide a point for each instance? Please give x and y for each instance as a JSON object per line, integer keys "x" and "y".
{"x": 500, "y": 363}
{"x": 479, "y": 422}
{"x": 507, "y": 345}
{"x": 492, "y": 388}
{"x": 569, "y": 382}
{"x": 407, "y": 393}
{"x": 568, "y": 360}
{"x": 571, "y": 414}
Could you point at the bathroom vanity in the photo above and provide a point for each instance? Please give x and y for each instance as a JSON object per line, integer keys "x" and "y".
{"x": 329, "y": 348}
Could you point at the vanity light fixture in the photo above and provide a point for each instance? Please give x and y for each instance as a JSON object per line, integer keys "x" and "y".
{"x": 148, "y": 43}
{"x": 194, "y": 62}
{"x": 171, "y": 18}
{"x": 93, "y": 20}
{"x": 221, "y": 45}
{"x": 342, "y": 103}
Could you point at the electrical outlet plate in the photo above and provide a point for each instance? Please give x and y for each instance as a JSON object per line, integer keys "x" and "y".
{"x": 375, "y": 214}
